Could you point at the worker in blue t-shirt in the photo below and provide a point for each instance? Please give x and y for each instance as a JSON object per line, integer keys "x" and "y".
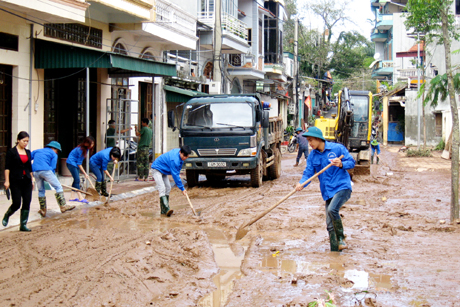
{"x": 375, "y": 147}
{"x": 169, "y": 163}
{"x": 335, "y": 182}
{"x": 98, "y": 165}
{"x": 303, "y": 145}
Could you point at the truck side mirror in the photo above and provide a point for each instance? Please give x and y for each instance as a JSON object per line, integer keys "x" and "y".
{"x": 171, "y": 119}
{"x": 265, "y": 119}
{"x": 258, "y": 115}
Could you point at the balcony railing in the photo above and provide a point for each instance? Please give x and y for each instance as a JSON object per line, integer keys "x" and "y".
{"x": 171, "y": 15}
{"x": 408, "y": 73}
{"x": 229, "y": 24}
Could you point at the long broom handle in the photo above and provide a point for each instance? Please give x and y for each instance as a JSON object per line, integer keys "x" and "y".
{"x": 287, "y": 196}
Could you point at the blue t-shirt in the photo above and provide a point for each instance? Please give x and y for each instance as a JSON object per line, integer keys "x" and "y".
{"x": 45, "y": 159}
{"x": 101, "y": 159}
{"x": 334, "y": 179}
{"x": 170, "y": 163}
{"x": 76, "y": 157}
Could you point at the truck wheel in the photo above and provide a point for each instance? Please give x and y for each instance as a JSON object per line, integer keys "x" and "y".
{"x": 275, "y": 168}
{"x": 257, "y": 174}
{"x": 192, "y": 178}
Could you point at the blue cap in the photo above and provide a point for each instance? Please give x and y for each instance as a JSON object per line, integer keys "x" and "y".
{"x": 54, "y": 144}
{"x": 314, "y": 132}
{"x": 298, "y": 129}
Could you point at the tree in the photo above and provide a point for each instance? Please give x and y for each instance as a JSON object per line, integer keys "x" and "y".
{"x": 435, "y": 18}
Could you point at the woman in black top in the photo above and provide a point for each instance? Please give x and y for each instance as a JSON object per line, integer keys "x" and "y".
{"x": 19, "y": 179}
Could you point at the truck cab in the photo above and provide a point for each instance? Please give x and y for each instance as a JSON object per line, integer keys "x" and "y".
{"x": 230, "y": 135}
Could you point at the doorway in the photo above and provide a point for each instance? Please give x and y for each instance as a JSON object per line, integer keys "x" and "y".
{"x": 6, "y": 88}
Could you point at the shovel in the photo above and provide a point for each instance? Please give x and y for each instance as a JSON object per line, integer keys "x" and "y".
{"x": 93, "y": 190}
{"x": 243, "y": 230}
{"x": 111, "y": 186}
{"x": 76, "y": 190}
{"x": 190, "y": 203}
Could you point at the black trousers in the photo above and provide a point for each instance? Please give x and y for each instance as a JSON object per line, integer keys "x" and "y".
{"x": 21, "y": 189}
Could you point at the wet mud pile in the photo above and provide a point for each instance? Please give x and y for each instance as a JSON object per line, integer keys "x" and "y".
{"x": 403, "y": 250}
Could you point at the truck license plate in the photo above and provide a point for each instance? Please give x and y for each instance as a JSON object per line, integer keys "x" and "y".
{"x": 217, "y": 164}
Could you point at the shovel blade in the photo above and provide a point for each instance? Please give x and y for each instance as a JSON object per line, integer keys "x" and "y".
{"x": 242, "y": 231}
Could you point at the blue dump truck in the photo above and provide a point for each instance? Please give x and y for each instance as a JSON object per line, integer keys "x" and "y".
{"x": 231, "y": 135}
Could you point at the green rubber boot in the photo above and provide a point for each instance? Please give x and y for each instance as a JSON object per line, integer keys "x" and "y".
{"x": 6, "y": 217}
{"x": 378, "y": 159}
{"x": 104, "y": 189}
{"x": 333, "y": 241}
{"x": 42, "y": 201}
{"x": 62, "y": 204}
{"x": 23, "y": 221}
{"x": 98, "y": 187}
{"x": 338, "y": 227}
{"x": 372, "y": 159}
{"x": 166, "y": 210}
{"x": 162, "y": 206}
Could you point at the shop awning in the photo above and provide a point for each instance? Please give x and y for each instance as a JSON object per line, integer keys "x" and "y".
{"x": 49, "y": 55}
{"x": 175, "y": 94}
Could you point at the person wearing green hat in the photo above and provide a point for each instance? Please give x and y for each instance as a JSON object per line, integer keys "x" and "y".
{"x": 303, "y": 145}
{"x": 375, "y": 147}
{"x": 335, "y": 182}
{"x": 44, "y": 168}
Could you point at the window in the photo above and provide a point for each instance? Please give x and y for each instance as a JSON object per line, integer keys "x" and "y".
{"x": 249, "y": 36}
{"x": 119, "y": 48}
{"x": 457, "y": 7}
{"x": 75, "y": 33}
{"x": 8, "y": 41}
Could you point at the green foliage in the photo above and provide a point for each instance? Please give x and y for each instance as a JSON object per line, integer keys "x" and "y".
{"x": 441, "y": 145}
{"x": 290, "y": 129}
{"x": 438, "y": 89}
{"x": 418, "y": 153}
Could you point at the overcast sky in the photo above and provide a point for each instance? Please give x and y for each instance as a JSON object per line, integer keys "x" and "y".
{"x": 359, "y": 11}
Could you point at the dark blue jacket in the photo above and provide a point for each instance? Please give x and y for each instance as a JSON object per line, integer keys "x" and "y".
{"x": 45, "y": 159}
{"x": 334, "y": 179}
{"x": 301, "y": 140}
{"x": 170, "y": 163}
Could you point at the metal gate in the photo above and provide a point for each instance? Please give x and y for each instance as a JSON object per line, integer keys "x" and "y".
{"x": 125, "y": 113}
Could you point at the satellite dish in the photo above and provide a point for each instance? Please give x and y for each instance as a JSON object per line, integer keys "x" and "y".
{"x": 377, "y": 56}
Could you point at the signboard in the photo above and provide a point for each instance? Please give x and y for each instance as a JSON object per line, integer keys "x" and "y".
{"x": 291, "y": 108}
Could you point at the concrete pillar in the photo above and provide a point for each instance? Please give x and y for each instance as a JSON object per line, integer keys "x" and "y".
{"x": 385, "y": 116}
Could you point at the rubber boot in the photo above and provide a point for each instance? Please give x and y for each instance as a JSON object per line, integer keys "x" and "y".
{"x": 104, "y": 189}
{"x": 62, "y": 204}
{"x": 372, "y": 159}
{"x": 162, "y": 206}
{"x": 378, "y": 159}
{"x": 23, "y": 221}
{"x": 98, "y": 187}
{"x": 338, "y": 227}
{"x": 166, "y": 210}
{"x": 333, "y": 241}
{"x": 6, "y": 217}
{"x": 42, "y": 201}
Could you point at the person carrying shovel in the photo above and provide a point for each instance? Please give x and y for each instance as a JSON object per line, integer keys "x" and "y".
{"x": 44, "y": 168}
{"x": 74, "y": 164}
{"x": 335, "y": 182}
{"x": 98, "y": 165}
{"x": 169, "y": 163}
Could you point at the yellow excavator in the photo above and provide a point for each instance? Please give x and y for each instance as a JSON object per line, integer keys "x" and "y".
{"x": 350, "y": 124}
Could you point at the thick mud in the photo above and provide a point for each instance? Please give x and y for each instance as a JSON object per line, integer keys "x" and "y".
{"x": 403, "y": 250}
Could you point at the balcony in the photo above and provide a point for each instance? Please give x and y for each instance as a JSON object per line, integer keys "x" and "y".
{"x": 275, "y": 71}
{"x": 120, "y": 11}
{"x": 376, "y": 36}
{"x": 50, "y": 11}
{"x": 244, "y": 67}
{"x": 234, "y": 33}
{"x": 173, "y": 27}
{"x": 385, "y": 22}
{"x": 383, "y": 70}
{"x": 408, "y": 73}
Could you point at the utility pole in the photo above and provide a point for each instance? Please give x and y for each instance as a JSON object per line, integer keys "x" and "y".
{"x": 296, "y": 70}
{"x": 418, "y": 89}
{"x": 217, "y": 73}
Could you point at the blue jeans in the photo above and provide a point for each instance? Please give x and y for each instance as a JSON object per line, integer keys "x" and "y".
{"x": 302, "y": 150}
{"x": 75, "y": 171}
{"x": 50, "y": 177}
{"x": 374, "y": 148}
{"x": 99, "y": 172}
{"x": 333, "y": 206}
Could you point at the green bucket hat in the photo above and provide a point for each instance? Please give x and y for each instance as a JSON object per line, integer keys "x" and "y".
{"x": 314, "y": 132}
{"x": 54, "y": 144}
{"x": 374, "y": 142}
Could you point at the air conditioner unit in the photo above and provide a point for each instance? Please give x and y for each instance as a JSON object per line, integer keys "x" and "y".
{"x": 214, "y": 88}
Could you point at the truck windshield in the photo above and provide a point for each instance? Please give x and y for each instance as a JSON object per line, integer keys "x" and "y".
{"x": 218, "y": 115}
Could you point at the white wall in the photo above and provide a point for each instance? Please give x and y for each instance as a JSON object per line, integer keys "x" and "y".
{"x": 401, "y": 43}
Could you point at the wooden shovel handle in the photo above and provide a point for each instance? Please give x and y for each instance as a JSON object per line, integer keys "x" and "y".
{"x": 75, "y": 189}
{"x": 287, "y": 196}
{"x": 190, "y": 203}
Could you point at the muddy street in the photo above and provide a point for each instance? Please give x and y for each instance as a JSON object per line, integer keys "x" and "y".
{"x": 402, "y": 251}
